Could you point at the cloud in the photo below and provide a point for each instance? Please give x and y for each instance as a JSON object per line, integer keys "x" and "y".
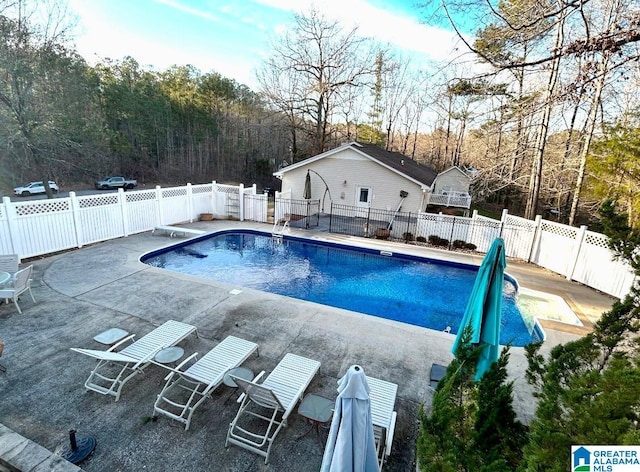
{"x": 404, "y": 32}
{"x": 190, "y": 10}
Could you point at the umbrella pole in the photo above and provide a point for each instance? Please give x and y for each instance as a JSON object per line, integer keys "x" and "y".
{"x": 493, "y": 273}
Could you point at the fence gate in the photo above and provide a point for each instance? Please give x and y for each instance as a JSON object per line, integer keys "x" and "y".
{"x": 299, "y": 213}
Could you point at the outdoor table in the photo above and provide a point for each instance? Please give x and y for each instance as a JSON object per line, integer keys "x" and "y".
{"x": 317, "y": 410}
{"x": 169, "y": 355}
{"x": 437, "y": 374}
{"x": 111, "y": 336}
{"x": 240, "y": 372}
{"x": 4, "y": 276}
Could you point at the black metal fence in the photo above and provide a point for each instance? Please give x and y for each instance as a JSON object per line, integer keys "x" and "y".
{"x": 299, "y": 213}
{"x": 372, "y": 222}
{"x": 446, "y": 231}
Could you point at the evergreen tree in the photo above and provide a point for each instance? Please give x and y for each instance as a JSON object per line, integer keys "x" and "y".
{"x": 472, "y": 425}
{"x": 499, "y": 436}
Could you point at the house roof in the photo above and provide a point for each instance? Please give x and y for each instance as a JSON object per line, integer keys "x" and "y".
{"x": 394, "y": 160}
{"x": 400, "y": 163}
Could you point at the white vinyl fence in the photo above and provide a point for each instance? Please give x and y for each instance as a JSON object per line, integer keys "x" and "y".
{"x": 38, "y": 227}
{"x": 575, "y": 253}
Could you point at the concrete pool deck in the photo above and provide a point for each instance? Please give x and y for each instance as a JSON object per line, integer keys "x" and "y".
{"x": 83, "y": 292}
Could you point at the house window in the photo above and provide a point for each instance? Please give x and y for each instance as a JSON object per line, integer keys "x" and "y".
{"x": 364, "y": 195}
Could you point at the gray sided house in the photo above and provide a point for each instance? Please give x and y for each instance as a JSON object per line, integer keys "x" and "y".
{"x": 367, "y": 176}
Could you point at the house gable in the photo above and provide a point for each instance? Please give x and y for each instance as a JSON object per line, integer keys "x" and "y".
{"x": 452, "y": 179}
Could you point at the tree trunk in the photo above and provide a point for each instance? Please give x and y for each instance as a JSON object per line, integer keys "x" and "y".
{"x": 588, "y": 136}
{"x": 543, "y": 129}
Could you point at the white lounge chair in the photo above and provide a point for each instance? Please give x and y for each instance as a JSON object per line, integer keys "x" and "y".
{"x": 383, "y": 400}
{"x": 186, "y": 390}
{"x": 20, "y": 283}
{"x": 114, "y": 369}
{"x": 276, "y": 396}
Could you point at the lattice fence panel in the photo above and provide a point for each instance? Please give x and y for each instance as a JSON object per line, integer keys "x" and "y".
{"x": 199, "y": 189}
{"x": 98, "y": 200}
{"x": 140, "y": 196}
{"x": 174, "y": 192}
{"x": 41, "y": 207}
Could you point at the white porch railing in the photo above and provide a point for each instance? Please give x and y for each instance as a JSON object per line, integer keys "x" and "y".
{"x": 451, "y": 198}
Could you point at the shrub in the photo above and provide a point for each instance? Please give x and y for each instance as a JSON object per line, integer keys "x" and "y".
{"x": 421, "y": 239}
{"x": 470, "y": 247}
{"x": 438, "y": 241}
{"x": 408, "y": 236}
{"x": 442, "y": 242}
{"x": 458, "y": 244}
{"x": 472, "y": 425}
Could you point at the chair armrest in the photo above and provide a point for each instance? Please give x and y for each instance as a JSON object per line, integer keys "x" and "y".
{"x": 122, "y": 341}
{"x": 258, "y": 377}
{"x": 178, "y": 368}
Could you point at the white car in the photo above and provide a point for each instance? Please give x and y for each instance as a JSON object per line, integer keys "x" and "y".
{"x": 34, "y": 188}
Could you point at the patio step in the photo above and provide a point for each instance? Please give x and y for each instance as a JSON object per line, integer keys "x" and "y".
{"x": 19, "y": 453}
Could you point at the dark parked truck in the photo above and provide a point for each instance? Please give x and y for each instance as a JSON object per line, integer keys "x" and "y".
{"x": 116, "y": 182}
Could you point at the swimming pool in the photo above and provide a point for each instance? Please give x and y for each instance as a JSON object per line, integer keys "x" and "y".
{"x": 423, "y": 292}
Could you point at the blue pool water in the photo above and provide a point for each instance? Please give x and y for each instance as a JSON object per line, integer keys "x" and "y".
{"x": 422, "y": 292}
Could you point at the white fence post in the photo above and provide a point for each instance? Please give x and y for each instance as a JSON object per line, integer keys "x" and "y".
{"x": 159, "y": 204}
{"x": 535, "y": 241}
{"x": 122, "y": 200}
{"x": 10, "y": 212}
{"x": 190, "y": 202}
{"x": 503, "y": 220}
{"x": 214, "y": 198}
{"x": 75, "y": 212}
{"x": 241, "y": 202}
{"x": 580, "y": 234}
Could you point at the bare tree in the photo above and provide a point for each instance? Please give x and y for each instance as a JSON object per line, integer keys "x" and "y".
{"x": 42, "y": 84}
{"x": 317, "y": 60}
{"x": 539, "y": 42}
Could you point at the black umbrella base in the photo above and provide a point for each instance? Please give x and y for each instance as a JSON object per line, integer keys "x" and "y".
{"x": 85, "y": 445}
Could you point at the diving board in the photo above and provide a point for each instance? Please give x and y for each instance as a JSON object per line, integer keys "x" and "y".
{"x": 177, "y": 231}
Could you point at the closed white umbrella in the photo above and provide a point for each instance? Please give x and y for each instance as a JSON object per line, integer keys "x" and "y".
{"x": 351, "y": 446}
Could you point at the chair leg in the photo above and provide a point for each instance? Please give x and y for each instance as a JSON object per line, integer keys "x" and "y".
{"x": 15, "y": 300}
{"x": 31, "y": 293}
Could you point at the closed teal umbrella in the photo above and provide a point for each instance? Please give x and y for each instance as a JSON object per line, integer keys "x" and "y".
{"x": 484, "y": 308}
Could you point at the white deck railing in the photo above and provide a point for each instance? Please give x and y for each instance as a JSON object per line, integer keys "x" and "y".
{"x": 39, "y": 227}
{"x": 451, "y": 198}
